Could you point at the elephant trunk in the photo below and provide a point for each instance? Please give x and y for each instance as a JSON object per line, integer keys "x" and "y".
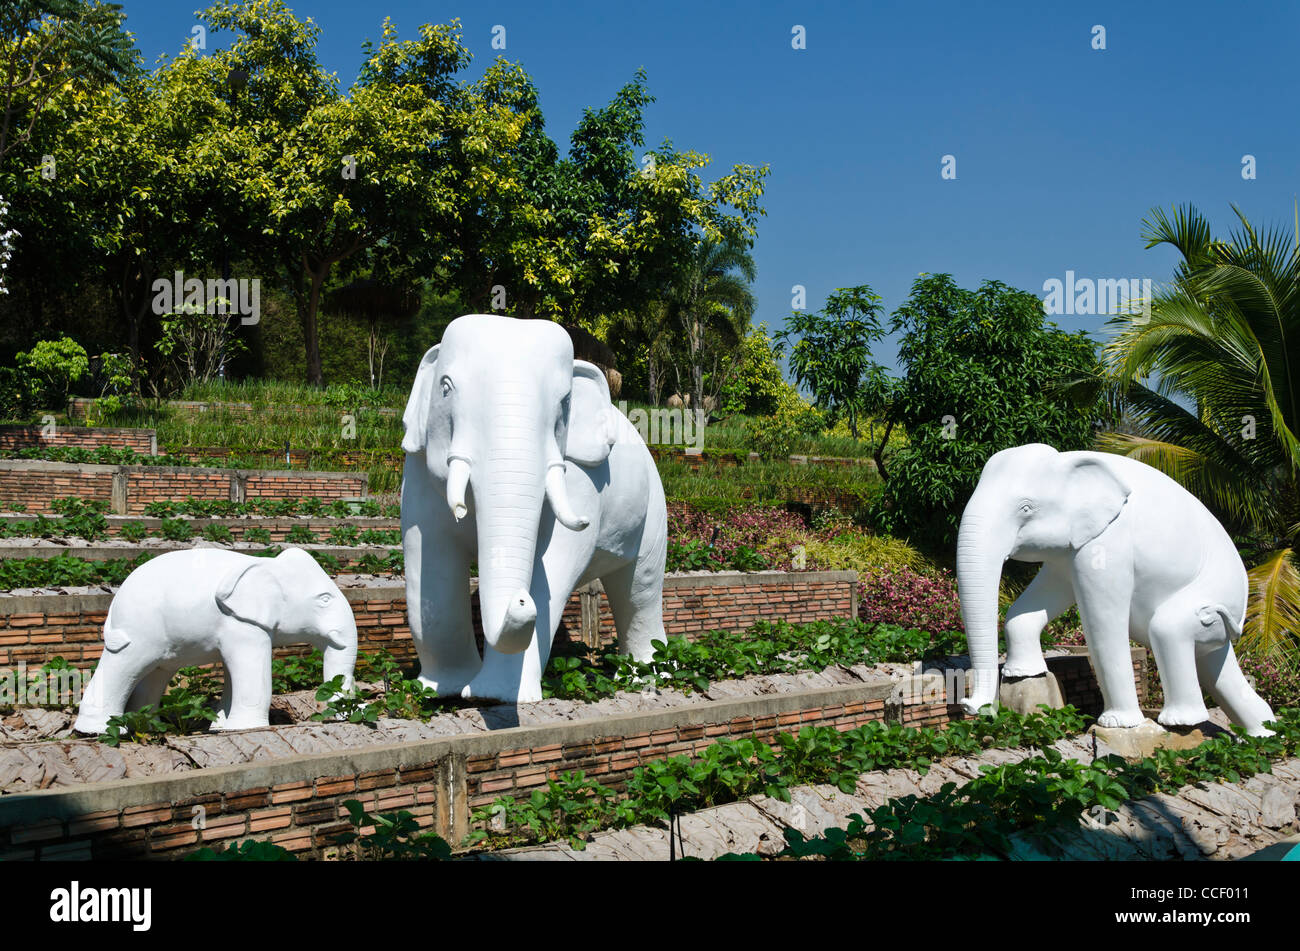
{"x": 508, "y": 490}
{"x": 982, "y": 547}
{"x": 340, "y": 645}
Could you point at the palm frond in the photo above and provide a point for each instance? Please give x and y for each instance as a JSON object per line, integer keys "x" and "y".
{"x": 1273, "y": 606}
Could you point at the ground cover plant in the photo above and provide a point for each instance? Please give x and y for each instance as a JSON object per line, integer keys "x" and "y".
{"x": 1037, "y": 801}
{"x": 573, "y": 806}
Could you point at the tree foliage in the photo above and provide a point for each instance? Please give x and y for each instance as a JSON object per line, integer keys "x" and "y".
{"x": 1222, "y": 338}
{"x": 982, "y": 372}
{"x": 831, "y": 354}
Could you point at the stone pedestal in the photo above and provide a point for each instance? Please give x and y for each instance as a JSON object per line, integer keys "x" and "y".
{"x": 1025, "y": 694}
{"x": 1139, "y": 742}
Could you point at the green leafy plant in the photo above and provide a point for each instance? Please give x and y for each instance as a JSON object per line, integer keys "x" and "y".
{"x": 133, "y": 531}
{"x": 250, "y": 850}
{"x": 396, "y": 836}
{"x": 176, "y": 529}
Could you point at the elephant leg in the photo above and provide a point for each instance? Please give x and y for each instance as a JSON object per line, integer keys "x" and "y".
{"x": 635, "y": 594}
{"x": 437, "y": 589}
{"x": 1173, "y": 631}
{"x": 1048, "y": 596}
{"x": 247, "y": 656}
{"x": 1222, "y": 679}
{"x": 151, "y": 687}
{"x": 1103, "y": 584}
{"x": 517, "y": 678}
{"x": 110, "y": 688}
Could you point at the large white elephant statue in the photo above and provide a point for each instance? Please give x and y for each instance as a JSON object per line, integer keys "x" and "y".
{"x": 518, "y": 461}
{"x": 1138, "y": 553}
{"x": 206, "y": 604}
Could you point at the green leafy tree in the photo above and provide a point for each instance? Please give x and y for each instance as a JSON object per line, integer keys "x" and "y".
{"x": 757, "y": 385}
{"x": 1222, "y": 340}
{"x": 711, "y": 305}
{"x": 982, "y": 372}
{"x": 58, "y": 364}
{"x": 45, "y": 44}
{"x": 831, "y": 353}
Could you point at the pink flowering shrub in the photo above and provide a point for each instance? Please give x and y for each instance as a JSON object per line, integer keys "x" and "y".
{"x": 911, "y": 598}
{"x": 1277, "y": 681}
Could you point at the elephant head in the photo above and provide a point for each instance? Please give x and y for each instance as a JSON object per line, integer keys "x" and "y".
{"x": 498, "y": 408}
{"x": 1032, "y": 503}
{"x": 292, "y": 598}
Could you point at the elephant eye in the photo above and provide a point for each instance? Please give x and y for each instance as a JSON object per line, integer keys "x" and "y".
{"x": 1026, "y": 508}
{"x": 324, "y": 599}
{"x": 446, "y": 386}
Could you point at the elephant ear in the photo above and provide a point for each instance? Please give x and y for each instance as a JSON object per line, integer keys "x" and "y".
{"x": 592, "y": 428}
{"x": 416, "y": 418}
{"x": 1097, "y": 494}
{"x": 253, "y": 593}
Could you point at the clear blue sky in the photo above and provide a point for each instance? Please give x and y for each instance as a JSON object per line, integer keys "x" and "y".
{"x": 1060, "y": 149}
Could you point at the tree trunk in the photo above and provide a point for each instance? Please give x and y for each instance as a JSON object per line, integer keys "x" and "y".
{"x": 307, "y": 317}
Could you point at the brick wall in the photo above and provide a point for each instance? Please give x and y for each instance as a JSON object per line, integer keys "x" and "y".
{"x": 130, "y": 488}
{"x": 31, "y": 437}
{"x": 298, "y": 802}
{"x": 277, "y": 528}
{"x": 34, "y": 630}
{"x": 78, "y": 405}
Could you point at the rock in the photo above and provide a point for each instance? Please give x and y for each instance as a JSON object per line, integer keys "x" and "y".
{"x": 1278, "y": 808}
{"x": 1139, "y": 742}
{"x": 1025, "y": 694}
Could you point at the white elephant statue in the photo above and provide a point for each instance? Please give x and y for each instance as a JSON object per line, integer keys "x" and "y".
{"x": 517, "y": 460}
{"x": 201, "y": 605}
{"x": 1139, "y": 555}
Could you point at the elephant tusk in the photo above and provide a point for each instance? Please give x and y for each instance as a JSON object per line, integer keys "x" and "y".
{"x": 558, "y": 496}
{"x": 457, "y": 479}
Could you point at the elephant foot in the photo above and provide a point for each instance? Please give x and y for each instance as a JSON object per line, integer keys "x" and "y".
{"x": 450, "y": 684}
{"x": 974, "y": 705}
{"x": 488, "y": 688}
{"x": 224, "y": 723}
{"x": 1186, "y": 715}
{"x": 90, "y": 724}
{"x": 1124, "y": 718}
{"x": 1024, "y": 668}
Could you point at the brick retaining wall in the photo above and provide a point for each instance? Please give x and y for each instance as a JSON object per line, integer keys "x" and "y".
{"x": 143, "y": 441}
{"x": 129, "y": 489}
{"x": 297, "y": 801}
{"x": 36, "y": 629}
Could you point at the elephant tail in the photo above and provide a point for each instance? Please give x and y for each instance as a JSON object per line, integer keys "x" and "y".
{"x": 115, "y": 639}
{"x": 1230, "y": 620}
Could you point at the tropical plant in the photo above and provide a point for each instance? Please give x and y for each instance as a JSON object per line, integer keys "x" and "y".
{"x": 1220, "y": 414}
{"x": 982, "y": 370}
{"x": 711, "y": 305}
{"x": 831, "y": 353}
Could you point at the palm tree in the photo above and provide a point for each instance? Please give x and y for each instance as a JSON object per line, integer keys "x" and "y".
{"x": 1224, "y": 337}
{"x": 711, "y": 304}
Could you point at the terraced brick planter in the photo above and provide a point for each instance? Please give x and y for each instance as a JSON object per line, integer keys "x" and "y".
{"x": 128, "y": 489}
{"x": 37, "y": 628}
{"x": 143, "y": 441}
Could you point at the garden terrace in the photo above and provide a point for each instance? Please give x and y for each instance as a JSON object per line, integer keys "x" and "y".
{"x": 142, "y": 441}
{"x": 78, "y": 407}
{"x": 288, "y": 784}
{"x": 1213, "y": 820}
{"x": 36, "y": 484}
{"x": 35, "y": 629}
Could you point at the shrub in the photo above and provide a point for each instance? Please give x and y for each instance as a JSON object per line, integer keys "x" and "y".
{"x": 57, "y": 364}
{"x": 911, "y": 598}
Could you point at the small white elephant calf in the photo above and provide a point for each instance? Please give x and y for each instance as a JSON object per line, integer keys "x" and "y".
{"x": 207, "y": 604}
